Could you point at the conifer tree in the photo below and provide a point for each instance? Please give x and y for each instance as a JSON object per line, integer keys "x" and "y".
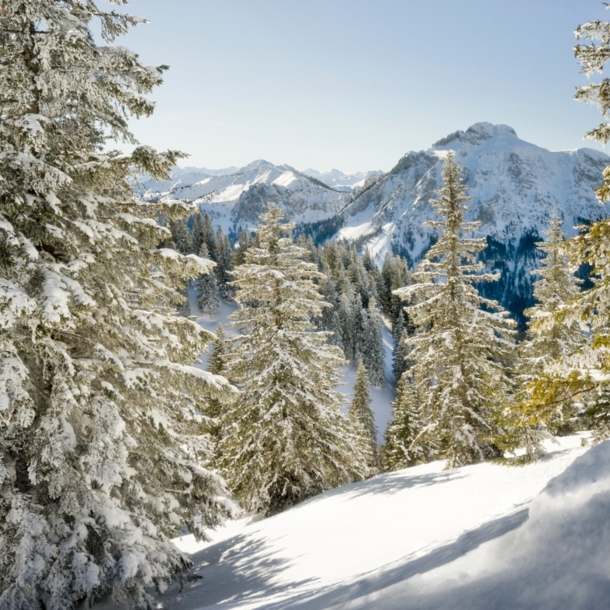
{"x": 224, "y": 265}
{"x": 583, "y": 375}
{"x": 402, "y": 436}
{"x": 286, "y": 438}
{"x": 102, "y": 457}
{"x": 208, "y": 295}
{"x": 462, "y": 345}
{"x": 551, "y": 338}
{"x": 360, "y": 411}
{"x": 373, "y": 352}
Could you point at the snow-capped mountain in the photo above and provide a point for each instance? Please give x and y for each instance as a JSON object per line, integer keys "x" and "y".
{"x": 514, "y": 186}
{"x": 236, "y": 199}
{"x": 340, "y": 181}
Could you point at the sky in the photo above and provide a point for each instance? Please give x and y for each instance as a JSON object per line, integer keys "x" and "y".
{"x": 355, "y": 84}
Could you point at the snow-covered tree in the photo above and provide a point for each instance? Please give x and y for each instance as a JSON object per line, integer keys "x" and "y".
{"x": 373, "y": 352}
{"x": 181, "y": 236}
{"x": 208, "y": 295}
{"x": 402, "y": 447}
{"x": 552, "y": 337}
{"x": 102, "y": 458}
{"x": 360, "y": 411}
{"x": 286, "y": 438}
{"x": 585, "y": 375}
{"x": 463, "y": 341}
{"x": 223, "y": 255}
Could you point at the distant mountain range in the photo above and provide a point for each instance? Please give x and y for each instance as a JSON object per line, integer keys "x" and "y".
{"x": 514, "y": 185}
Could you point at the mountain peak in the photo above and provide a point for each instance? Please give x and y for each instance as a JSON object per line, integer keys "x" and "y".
{"x": 475, "y": 134}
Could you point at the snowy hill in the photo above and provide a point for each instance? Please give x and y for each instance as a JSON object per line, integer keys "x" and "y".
{"x": 474, "y": 538}
{"x": 340, "y": 181}
{"x": 235, "y": 200}
{"x": 514, "y": 186}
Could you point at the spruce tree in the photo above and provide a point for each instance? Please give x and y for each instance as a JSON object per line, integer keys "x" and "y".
{"x": 402, "y": 436}
{"x": 208, "y": 295}
{"x": 102, "y": 457}
{"x": 551, "y": 338}
{"x": 360, "y": 411}
{"x": 463, "y": 342}
{"x": 286, "y": 438}
{"x": 583, "y": 375}
{"x": 373, "y": 352}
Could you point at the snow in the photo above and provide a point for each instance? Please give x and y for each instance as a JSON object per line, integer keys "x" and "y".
{"x": 474, "y": 538}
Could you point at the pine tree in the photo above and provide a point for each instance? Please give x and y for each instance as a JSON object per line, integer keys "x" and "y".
{"x": 217, "y": 361}
{"x": 583, "y": 375}
{"x": 462, "y": 346}
{"x": 181, "y": 235}
{"x": 224, "y": 265}
{"x": 360, "y": 411}
{"x": 346, "y": 324}
{"x": 203, "y": 233}
{"x": 550, "y": 339}
{"x": 102, "y": 458}
{"x": 286, "y": 438}
{"x": 208, "y": 295}
{"x": 373, "y": 352}
{"x": 402, "y": 437}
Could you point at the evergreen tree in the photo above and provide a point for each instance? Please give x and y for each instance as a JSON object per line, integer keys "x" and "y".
{"x": 402, "y": 436}
{"x": 346, "y": 324}
{"x": 360, "y": 411}
{"x": 286, "y": 438}
{"x": 181, "y": 235}
{"x": 208, "y": 296}
{"x": 203, "y": 233}
{"x": 102, "y": 458}
{"x": 550, "y": 339}
{"x": 224, "y": 265}
{"x": 583, "y": 375}
{"x": 462, "y": 346}
{"x": 217, "y": 361}
{"x": 373, "y": 352}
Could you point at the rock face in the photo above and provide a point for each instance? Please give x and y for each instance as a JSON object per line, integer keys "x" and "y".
{"x": 514, "y": 185}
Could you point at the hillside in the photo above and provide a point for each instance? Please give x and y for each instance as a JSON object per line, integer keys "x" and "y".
{"x": 479, "y": 537}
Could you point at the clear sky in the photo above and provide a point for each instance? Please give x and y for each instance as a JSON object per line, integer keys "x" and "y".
{"x": 354, "y": 84}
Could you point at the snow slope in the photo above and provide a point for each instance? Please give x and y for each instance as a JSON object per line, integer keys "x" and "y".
{"x": 476, "y": 538}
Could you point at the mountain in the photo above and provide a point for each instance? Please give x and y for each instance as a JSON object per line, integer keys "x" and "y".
{"x": 340, "y": 181}
{"x": 514, "y": 186}
{"x": 235, "y": 200}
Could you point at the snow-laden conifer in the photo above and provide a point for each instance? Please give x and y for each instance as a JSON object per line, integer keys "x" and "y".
{"x": 402, "y": 436}
{"x": 552, "y": 337}
{"x": 362, "y": 413}
{"x": 373, "y": 351}
{"x": 585, "y": 375}
{"x": 286, "y": 438}
{"x": 208, "y": 295}
{"x": 462, "y": 341}
{"x": 102, "y": 458}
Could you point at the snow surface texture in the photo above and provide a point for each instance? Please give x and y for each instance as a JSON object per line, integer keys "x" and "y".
{"x": 474, "y": 538}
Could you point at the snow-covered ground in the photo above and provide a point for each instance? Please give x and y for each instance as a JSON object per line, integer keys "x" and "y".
{"x": 475, "y": 538}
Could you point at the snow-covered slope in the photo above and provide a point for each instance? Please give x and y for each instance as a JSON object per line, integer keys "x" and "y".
{"x": 340, "y": 181}
{"x": 236, "y": 199}
{"x": 514, "y": 186}
{"x": 474, "y": 538}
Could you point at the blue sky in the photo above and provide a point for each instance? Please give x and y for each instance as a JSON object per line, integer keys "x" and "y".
{"x": 354, "y": 84}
